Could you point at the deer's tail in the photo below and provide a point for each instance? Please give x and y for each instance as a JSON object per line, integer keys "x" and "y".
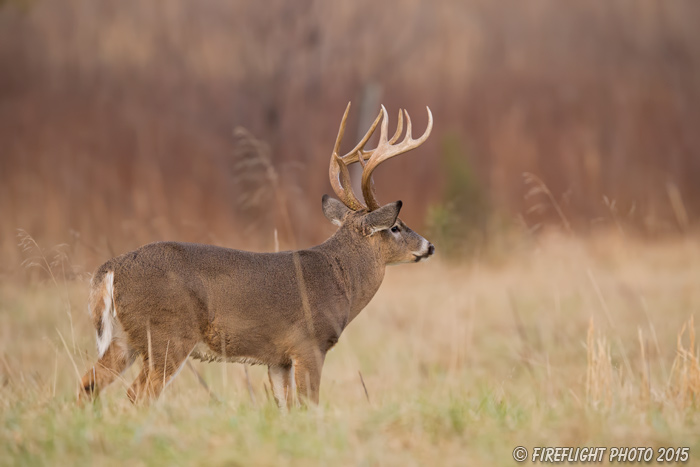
{"x": 102, "y": 311}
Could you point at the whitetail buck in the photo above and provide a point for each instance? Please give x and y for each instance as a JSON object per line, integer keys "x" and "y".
{"x": 168, "y": 301}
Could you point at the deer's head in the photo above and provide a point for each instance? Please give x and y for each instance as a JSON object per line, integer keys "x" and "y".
{"x": 378, "y": 225}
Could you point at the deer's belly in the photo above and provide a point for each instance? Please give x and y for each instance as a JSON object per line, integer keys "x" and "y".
{"x": 204, "y": 353}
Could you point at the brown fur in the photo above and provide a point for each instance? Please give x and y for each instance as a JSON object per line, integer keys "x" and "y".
{"x": 284, "y": 310}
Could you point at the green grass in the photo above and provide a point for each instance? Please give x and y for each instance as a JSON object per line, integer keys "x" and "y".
{"x": 461, "y": 365}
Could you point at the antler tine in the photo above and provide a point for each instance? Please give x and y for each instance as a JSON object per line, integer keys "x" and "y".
{"x": 383, "y": 131}
{"x": 358, "y": 152}
{"x": 409, "y": 128}
{"x": 386, "y": 150}
{"x": 341, "y": 130}
{"x": 399, "y": 128}
{"x": 338, "y": 170}
{"x": 363, "y": 155}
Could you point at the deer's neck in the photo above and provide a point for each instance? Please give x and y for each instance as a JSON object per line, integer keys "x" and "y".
{"x": 360, "y": 266}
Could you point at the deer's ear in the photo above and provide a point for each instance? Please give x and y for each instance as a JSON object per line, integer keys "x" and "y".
{"x": 334, "y": 210}
{"x": 381, "y": 219}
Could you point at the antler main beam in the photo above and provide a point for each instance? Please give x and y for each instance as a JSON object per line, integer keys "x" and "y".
{"x": 386, "y": 149}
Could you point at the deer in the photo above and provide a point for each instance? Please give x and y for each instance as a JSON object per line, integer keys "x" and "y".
{"x": 169, "y": 301}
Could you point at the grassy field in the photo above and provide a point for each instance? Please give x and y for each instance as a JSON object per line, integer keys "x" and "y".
{"x": 562, "y": 342}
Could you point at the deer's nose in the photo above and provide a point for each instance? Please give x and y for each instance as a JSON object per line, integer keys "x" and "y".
{"x": 431, "y": 249}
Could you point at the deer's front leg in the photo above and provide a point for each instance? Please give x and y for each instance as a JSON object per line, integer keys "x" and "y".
{"x": 307, "y": 375}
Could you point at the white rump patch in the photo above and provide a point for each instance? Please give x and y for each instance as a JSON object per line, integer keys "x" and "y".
{"x": 108, "y": 318}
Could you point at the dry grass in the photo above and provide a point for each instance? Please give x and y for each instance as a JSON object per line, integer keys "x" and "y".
{"x": 685, "y": 374}
{"x": 569, "y": 342}
{"x": 599, "y": 377}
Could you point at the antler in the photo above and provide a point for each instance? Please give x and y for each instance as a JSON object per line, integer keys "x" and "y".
{"x": 386, "y": 150}
{"x": 338, "y": 171}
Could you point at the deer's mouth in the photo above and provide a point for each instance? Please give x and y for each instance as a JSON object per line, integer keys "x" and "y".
{"x": 428, "y": 253}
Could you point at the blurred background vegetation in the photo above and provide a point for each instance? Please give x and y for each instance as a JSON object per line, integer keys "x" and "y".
{"x": 213, "y": 121}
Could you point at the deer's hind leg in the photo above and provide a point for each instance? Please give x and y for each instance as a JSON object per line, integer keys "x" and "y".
{"x": 116, "y": 359}
{"x": 163, "y": 365}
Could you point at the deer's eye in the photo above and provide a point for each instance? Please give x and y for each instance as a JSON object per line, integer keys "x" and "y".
{"x": 395, "y": 229}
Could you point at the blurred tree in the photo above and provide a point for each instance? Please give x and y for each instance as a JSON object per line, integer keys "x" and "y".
{"x": 459, "y": 223}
